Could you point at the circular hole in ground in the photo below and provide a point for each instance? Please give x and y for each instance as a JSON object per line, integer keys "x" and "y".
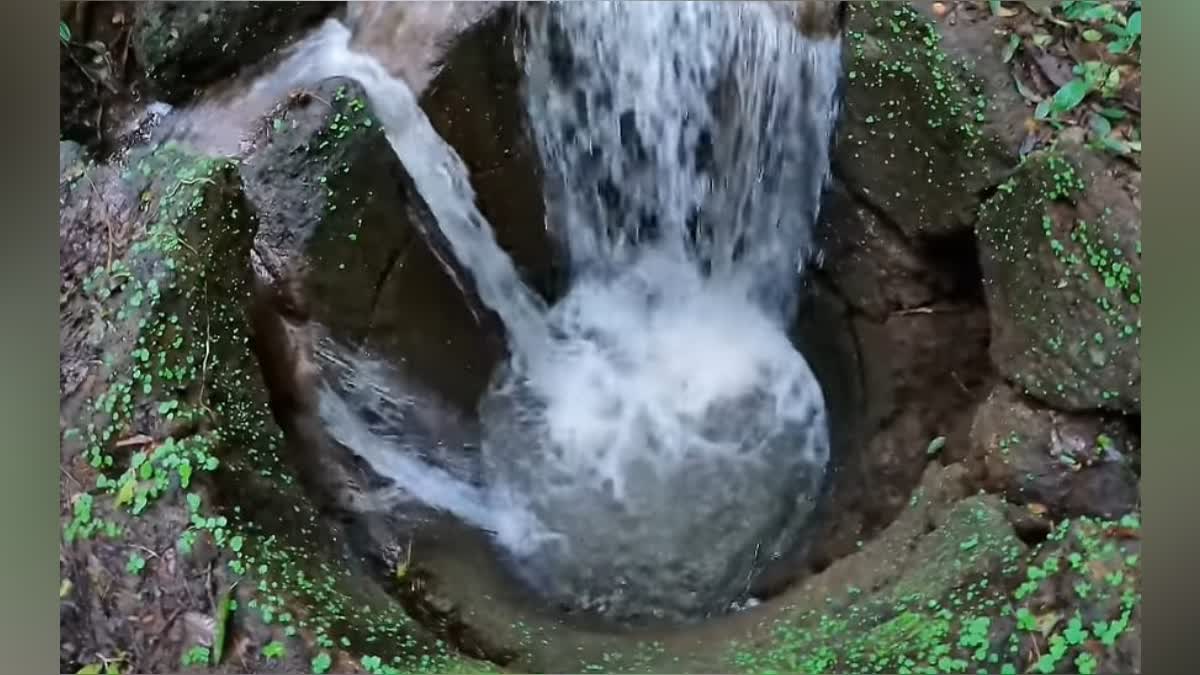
{"x": 413, "y": 321}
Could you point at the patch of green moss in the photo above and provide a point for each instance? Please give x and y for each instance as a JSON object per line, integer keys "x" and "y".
{"x": 1025, "y": 226}
{"x": 1006, "y": 623}
{"x": 182, "y": 400}
{"x": 896, "y": 52}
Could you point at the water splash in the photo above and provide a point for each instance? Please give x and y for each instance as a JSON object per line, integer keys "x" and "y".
{"x": 654, "y": 436}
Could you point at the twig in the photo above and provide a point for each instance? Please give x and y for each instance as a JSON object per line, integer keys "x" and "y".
{"x": 959, "y": 381}
{"x": 149, "y": 552}
{"x": 204, "y": 363}
{"x": 927, "y": 309}
{"x": 70, "y": 477}
{"x": 212, "y": 600}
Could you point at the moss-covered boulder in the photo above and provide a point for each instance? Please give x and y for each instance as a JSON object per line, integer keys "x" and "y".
{"x": 949, "y": 588}
{"x": 1060, "y": 247}
{"x": 182, "y": 46}
{"x": 177, "y": 502}
{"x": 1059, "y": 463}
{"x": 911, "y": 143}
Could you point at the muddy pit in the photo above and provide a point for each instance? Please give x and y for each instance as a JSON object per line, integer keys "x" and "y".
{"x": 897, "y": 324}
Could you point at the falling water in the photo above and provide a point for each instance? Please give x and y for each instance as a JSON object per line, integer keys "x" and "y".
{"x": 654, "y": 437}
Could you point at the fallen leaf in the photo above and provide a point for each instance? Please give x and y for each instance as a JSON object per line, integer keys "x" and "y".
{"x": 1037, "y": 509}
{"x": 1041, "y": 7}
{"x": 224, "y": 610}
{"x": 1000, "y": 10}
{"x": 199, "y": 627}
{"x": 1047, "y": 622}
{"x": 1057, "y": 70}
{"x": 64, "y": 589}
{"x": 1010, "y": 49}
{"x": 1123, "y": 532}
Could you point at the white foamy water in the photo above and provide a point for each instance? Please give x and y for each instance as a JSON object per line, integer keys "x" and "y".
{"x": 654, "y": 436}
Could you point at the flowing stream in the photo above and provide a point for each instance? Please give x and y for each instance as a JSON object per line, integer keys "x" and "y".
{"x": 653, "y": 438}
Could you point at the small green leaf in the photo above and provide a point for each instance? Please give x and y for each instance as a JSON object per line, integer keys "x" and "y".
{"x": 64, "y": 35}
{"x": 1010, "y": 49}
{"x": 321, "y": 663}
{"x": 935, "y": 446}
{"x": 125, "y": 494}
{"x": 224, "y": 610}
{"x": 1114, "y": 113}
{"x": 1071, "y": 95}
{"x": 273, "y": 650}
{"x": 91, "y": 668}
{"x": 1134, "y": 26}
{"x": 236, "y": 544}
{"x": 1092, "y": 35}
{"x": 1100, "y": 126}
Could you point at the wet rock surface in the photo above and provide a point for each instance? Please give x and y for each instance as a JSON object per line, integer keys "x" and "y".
{"x": 183, "y": 46}
{"x": 992, "y": 340}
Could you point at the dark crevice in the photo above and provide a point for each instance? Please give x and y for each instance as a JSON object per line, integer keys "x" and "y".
{"x": 393, "y": 259}
{"x": 958, "y": 254}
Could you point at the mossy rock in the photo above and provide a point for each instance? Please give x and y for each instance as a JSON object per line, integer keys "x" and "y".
{"x": 172, "y": 448}
{"x": 182, "y": 46}
{"x": 911, "y": 142}
{"x": 970, "y": 597}
{"x": 1060, "y": 248}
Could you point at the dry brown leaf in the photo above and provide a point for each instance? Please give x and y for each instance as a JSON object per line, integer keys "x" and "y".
{"x": 1047, "y": 622}
{"x": 138, "y": 439}
{"x": 1057, "y": 70}
{"x": 199, "y": 628}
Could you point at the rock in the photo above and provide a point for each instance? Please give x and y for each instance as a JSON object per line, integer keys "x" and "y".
{"x": 409, "y": 39}
{"x": 339, "y": 208}
{"x": 911, "y": 142}
{"x": 922, "y": 374}
{"x": 169, "y": 395}
{"x": 976, "y": 39}
{"x": 475, "y": 103}
{"x": 1060, "y": 248}
{"x": 1064, "y": 464}
{"x": 182, "y": 46}
{"x": 875, "y": 267}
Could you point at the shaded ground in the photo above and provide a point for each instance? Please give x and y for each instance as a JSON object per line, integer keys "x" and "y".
{"x": 995, "y": 307}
